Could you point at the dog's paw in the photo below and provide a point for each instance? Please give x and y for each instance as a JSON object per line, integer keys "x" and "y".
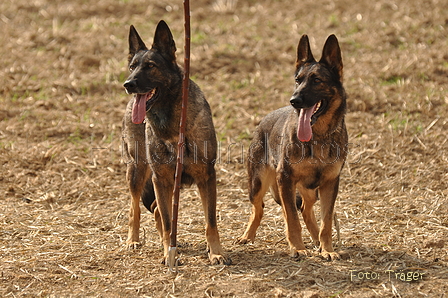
{"x": 243, "y": 240}
{"x": 299, "y": 254}
{"x": 177, "y": 261}
{"x": 330, "y": 256}
{"x": 133, "y": 244}
{"x": 220, "y": 260}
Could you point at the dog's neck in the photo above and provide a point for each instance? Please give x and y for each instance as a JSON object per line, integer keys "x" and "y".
{"x": 164, "y": 118}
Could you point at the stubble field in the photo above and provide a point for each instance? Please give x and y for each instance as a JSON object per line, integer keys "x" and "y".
{"x": 64, "y": 200}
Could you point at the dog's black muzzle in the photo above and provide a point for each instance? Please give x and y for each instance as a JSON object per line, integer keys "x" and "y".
{"x": 131, "y": 86}
{"x": 300, "y": 101}
{"x": 297, "y": 101}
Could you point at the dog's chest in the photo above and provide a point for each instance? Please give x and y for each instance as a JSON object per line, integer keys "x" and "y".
{"x": 312, "y": 164}
{"x": 312, "y": 176}
{"x": 325, "y": 152}
{"x": 161, "y": 123}
{"x": 164, "y": 151}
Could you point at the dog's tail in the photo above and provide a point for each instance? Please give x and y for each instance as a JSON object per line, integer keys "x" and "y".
{"x": 149, "y": 196}
{"x": 299, "y": 202}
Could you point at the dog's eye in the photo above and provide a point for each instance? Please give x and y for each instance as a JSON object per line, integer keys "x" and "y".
{"x": 150, "y": 65}
{"x": 317, "y": 81}
{"x": 132, "y": 67}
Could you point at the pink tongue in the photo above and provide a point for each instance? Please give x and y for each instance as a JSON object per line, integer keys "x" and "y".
{"x": 139, "y": 109}
{"x": 304, "y": 132}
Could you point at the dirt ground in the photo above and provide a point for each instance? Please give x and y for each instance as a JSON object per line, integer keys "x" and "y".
{"x": 64, "y": 209}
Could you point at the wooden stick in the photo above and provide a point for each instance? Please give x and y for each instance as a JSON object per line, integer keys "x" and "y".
{"x": 172, "y": 253}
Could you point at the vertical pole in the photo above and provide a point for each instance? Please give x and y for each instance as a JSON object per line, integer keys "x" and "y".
{"x": 172, "y": 253}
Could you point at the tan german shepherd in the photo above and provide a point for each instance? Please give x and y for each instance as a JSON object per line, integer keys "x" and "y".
{"x": 150, "y": 137}
{"x": 302, "y": 147}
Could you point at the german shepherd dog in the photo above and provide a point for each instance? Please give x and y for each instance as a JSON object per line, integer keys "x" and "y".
{"x": 302, "y": 147}
{"x": 151, "y": 134}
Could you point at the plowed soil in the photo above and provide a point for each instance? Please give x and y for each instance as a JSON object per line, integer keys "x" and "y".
{"x": 64, "y": 199}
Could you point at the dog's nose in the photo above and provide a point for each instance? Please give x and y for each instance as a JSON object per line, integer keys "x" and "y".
{"x": 296, "y": 101}
{"x": 130, "y": 86}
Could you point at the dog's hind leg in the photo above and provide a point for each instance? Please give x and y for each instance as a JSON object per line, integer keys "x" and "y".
{"x": 207, "y": 191}
{"x": 275, "y": 193}
{"x": 158, "y": 219}
{"x": 328, "y": 193}
{"x": 259, "y": 183}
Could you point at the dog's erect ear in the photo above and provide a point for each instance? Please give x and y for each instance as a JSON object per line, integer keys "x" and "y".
{"x": 135, "y": 43}
{"x": 331, "y": 55}
{"x": 304, "y": 54}
{"x": 164, "y": 42}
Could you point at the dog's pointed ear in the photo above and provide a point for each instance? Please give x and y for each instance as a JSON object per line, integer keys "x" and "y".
{"x": 135, "y": 43}
{"x": 164, "y": 42}
{"x": 331, "y": 55}
{"x": 304, "y": 54}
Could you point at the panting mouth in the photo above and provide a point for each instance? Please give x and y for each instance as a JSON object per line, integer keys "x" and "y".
{"x": 321, "y": 106}
{"x": 307, "y": 117}
{"x": 142, "y": 103}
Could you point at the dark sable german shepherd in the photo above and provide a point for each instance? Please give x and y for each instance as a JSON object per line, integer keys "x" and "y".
{"x": 302, "y": 147}
{"x": 151, "y": 133}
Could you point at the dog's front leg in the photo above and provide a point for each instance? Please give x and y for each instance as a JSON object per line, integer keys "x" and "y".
{"x": 328, "y": 193}
{"x": 293, "y": 228}
{"x": 207, "y": 191}
{"x": 136, "y": 175}
{"x": 134, "y": 223}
